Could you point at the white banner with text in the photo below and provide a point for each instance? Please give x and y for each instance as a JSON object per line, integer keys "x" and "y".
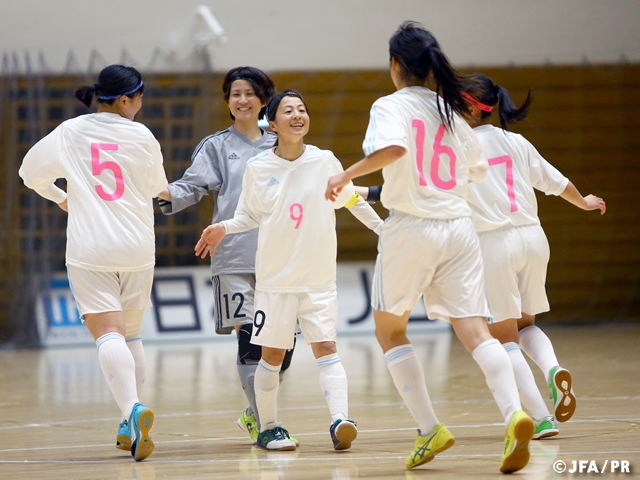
{"x": 183, "y": 307}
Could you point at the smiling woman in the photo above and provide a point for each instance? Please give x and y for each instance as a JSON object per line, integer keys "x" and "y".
{"x": 282, "y": 194}
{"x": 217, "y": 167}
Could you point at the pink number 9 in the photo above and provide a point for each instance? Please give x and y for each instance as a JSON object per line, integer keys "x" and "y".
{"x": 97, "y": 167}
{"x": 296, "y": 217}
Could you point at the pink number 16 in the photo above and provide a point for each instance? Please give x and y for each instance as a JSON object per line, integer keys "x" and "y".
{"x": 97, "y": 167}
{"x": 438, "y": 150}
{"x": 296, "y": 217}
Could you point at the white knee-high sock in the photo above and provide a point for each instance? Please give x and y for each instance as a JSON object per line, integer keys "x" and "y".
{"x": 119, "y": 370}
{"x": 140, "y": 359}
{"x": 529, "y": 393}
{"x": 497, "y": 369}
{"x": 408, "y": 378}
{"x": 266, "y": 383}
{"x": 538, "y": 346}
{"x": 333, "y": 383}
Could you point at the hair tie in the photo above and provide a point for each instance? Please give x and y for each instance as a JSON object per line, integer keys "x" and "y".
{"x": 476, "y": 103}
{"x": 96, "y": 87}
{"x": 113, "y": 97}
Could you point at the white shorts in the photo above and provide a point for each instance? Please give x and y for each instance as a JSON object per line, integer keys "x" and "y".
{"x": 99, "y": 292}
{"x": 233, "y": 301}
{"x": 515, "y": 264}
{"x": 439, "y": 260}
{"x": 274, "y": 321}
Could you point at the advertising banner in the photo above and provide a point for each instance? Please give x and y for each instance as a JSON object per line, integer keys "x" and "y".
{"x": 183, "y": 307}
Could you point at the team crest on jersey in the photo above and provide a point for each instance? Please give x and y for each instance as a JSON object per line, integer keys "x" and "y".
{"x": 233, "y": 156}
{"x": 272, "y": 181}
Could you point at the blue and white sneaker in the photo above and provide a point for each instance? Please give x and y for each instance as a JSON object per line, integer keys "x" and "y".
{"x": 140, "y": 422}
{"x": 123, "y": 439}
{"x": 343, "y": 432}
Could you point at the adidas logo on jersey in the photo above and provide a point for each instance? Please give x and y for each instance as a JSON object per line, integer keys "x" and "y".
{"x": 272, "y": 182}
{"x": 233, "y": 156}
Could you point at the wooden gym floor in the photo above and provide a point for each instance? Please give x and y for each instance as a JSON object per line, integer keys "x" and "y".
{"x": 58, "y": 419}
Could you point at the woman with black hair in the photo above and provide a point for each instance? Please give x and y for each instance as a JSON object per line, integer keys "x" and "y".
{"x": 113, "y": 167}
{"x": 428, "y": 247}
{"x": 295, "y": 264}
{"x": 515, "y": 248}
{"x": 217, "y": 166}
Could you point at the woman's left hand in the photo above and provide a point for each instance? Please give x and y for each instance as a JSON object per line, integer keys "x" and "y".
{"x": 209, "y": 240}
{"x": 335, "y": 186}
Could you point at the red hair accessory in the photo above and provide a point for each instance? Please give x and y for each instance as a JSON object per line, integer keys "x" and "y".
{"x": 476, "y": 103}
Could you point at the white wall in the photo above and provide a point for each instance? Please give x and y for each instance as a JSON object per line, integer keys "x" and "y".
{"x": 313, "y": 34}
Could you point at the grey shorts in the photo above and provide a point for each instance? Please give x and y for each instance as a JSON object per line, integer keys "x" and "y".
{"x": 233, "y": 301}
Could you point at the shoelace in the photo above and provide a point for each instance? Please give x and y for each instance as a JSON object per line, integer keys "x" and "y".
{"x": 279, "y": 434}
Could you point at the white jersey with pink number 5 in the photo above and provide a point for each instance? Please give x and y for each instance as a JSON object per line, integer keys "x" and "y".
{"x": 297, "y": 239}
{"x": 113, "y": 168}
{"x": 507, "y": 197}
{"x": 431, "y": 179}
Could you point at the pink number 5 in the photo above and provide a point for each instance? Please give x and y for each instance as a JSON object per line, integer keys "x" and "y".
{"x": 296, "y": 217}
{"x": 97, "y": 167}
{"x": 438, "y": 150}
{"x": 511, "y": 193}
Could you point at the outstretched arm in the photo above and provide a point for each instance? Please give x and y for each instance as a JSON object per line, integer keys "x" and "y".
{"x": 590, "y": 202}
{"x": 363, "y": 212}
{"x": 369, "y": 164}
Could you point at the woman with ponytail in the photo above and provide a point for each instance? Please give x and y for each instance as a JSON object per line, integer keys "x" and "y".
{"x": 428, "y": 247}
{"x": 113, "y": 168}
{"x": 515, "y": 248}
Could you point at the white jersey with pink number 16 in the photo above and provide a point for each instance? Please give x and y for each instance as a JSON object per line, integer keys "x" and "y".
{"x": 113, "y": 167}
{"x": 507, "y": 197}
{"x": 431, "y": 179}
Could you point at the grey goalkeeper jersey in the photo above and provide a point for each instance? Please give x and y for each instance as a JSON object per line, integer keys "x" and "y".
{"x": 217, "y": 166}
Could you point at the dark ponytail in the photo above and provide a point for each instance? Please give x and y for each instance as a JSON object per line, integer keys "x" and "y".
{"x": 482, "y": 89}
{"x": 419, "y": 54}
{"x": 85, "y": 94}
{"x": 113, "y": 82}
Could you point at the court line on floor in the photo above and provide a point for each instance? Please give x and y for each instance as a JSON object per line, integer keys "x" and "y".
{"x": 285, "y": 409}
{"x": 301, "y": 435}
{"x": 285, "y": 457}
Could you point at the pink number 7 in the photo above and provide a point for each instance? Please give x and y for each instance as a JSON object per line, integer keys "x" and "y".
{"x": 511, "y": 193}
{"x": 97, "y": 167}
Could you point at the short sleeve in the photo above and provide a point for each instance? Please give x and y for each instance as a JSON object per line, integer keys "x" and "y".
{"x": 385, "y": 128}
{"x": 544, "y": 176}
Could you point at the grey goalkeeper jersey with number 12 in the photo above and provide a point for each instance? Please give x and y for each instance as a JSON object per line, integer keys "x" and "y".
{"x": 217, "y": 166}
